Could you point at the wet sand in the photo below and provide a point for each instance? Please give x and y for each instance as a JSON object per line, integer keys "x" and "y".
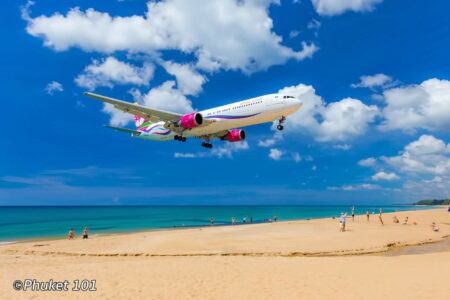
{"x": 291, "y": 260}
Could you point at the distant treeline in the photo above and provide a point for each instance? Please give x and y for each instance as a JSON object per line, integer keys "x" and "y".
{"x": 433, "y": 202}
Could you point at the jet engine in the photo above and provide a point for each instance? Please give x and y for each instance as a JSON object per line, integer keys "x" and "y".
{"x": 191, "y": 120}
{"x": 235, "y": 135}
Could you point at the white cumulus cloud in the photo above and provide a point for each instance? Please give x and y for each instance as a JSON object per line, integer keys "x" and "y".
{"x": 247, "y": 41}
{"x": 385, "y": 176}
{"x": 427, "y": 155}
{"x": 337, "y": 121}
{"x": 372, "y": 81}
{"x": 189, "y": 82}
{"x": 423, "y": 106}
{"x": 368, "y": 162}
{"x": 336, "y": 7}
{"x": 53, "y": 87}
{"x": 111, "y": 71}
{"x": 275, "y": 154}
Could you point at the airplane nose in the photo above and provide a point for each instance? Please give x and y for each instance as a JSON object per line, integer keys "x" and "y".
{"x": 297, "y": 103}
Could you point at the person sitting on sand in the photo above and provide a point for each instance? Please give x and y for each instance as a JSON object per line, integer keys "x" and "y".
{"x": 71, "y": 234}
{"x": 396, "y": 220}
{"x": 85, "y": 233}
{"x": 406, "y": 221}
{"x": 380, "y": 216}
{"x": 435, "y": 227}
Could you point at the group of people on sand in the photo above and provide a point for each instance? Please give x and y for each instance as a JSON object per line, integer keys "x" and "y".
{"x": 71, "y": 234}
{"x": 343, "y": 218}
{"x": 245, "y": 220}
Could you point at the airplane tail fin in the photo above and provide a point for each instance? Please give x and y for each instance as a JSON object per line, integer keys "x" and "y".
{"x": 141, "y": 123}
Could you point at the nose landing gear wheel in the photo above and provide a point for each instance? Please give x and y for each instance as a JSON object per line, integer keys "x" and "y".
{"x": 280, "y": 122}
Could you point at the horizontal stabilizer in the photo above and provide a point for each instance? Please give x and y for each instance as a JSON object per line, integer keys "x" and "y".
{"x": 127, "y": 130}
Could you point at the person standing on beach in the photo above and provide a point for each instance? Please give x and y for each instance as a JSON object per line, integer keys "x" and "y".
{"x": 85, "y": 233}
{"x": 233, "y": 220}
{"x": 342, "y": 220}
{"x": 367, "y": 215}
{"x": 211, "y": 220}
{"x": 380, "y": 216}
{"x": 275, "y": 218}
{"x": 353, "y": 214}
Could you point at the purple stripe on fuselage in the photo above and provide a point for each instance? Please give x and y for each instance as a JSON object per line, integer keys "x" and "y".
{"x": 162, "y": 133}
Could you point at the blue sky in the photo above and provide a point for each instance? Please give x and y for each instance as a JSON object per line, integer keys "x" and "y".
{"x": 373, "y": 75}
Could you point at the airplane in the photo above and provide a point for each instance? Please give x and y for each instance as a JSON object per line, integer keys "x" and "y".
{"x": 221, "y": 123}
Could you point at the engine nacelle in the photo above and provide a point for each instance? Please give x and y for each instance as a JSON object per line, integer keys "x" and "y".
{"x": 235, "y": 135}
{"x": 191, "y": 120}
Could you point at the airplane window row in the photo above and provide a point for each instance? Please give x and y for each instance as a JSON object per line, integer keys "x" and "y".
{"x": 244, "y": 105}
{"x": 227, "y": 109}
{"x": 284, "y": 97}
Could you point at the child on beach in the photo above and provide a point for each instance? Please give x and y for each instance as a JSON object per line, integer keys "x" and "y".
{"x": 435, "y": 227}
{"x": 71, "y": 234}
{"x": 396, "y": 220}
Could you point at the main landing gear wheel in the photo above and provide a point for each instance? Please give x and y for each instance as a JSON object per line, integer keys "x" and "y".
{"x": 280, "y": 122}
{"x": 207, "y": 145}
{"x": 179, "y": 138}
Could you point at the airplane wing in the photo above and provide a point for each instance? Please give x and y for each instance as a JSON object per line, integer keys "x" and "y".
{"x": 142, "y": 111}
{"x": 121, "y": 129}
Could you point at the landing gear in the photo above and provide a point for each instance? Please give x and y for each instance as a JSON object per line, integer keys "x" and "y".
{"x": 207, "y": 145}
{"x": 280, "y": 122}
{"x": 179, "y": 138}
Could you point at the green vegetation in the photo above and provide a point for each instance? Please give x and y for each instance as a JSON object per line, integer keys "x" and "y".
{"x": 433, "y": 202}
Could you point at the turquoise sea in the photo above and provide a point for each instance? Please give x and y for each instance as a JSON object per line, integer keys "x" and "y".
{"x": 18, "y": 223}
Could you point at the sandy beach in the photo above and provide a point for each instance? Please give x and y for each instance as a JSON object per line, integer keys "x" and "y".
{"x": 307, "y": 259}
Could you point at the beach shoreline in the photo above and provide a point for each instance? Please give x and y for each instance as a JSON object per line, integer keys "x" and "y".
{"x": 307, "y": 259}
{"x": 144, "y": 230}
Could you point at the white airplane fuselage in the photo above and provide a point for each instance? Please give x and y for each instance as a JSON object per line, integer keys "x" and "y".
{"x": 263, "y": 109}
